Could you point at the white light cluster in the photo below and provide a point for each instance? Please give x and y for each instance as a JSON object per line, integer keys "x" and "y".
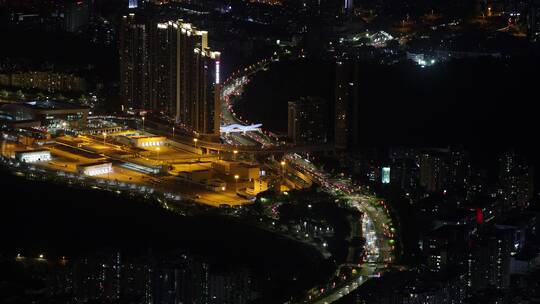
{"x": 386, "y": 175}
{"x": 217, "y": 71}
{"x": 98, "y": 170}
{"x": 30, "y": 157}
{"x": 236, "y": 128}
{"x": 151, "y": 143}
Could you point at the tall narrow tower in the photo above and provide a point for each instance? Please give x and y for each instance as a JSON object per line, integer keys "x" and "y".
{"x": 134, "y": 71}
{"x": 348, "y": 8}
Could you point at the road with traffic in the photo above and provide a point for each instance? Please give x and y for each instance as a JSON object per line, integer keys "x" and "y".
{"x": 377, "y": 228}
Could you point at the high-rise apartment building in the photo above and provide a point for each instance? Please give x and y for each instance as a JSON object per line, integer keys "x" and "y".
{"x": 133, "y": 4}
{"x": 489, "y": 259}
{"x": 206, "y": 92}
{"x": 433, "y": 171}
{"x": 348, "y": 7}
{"x": 180, "y": 73}
{"x": 134, "y": 72}
{"x": 307, "y": 121}
{"x": 347, "y": 95}
{"x": 515, "y": 180}
{"x": 76, "y": 16}
{"x": 163, "y": 63}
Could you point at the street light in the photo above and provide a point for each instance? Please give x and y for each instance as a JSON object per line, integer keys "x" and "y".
{"x": 143, "y": 123}
{"x": 195, "y": 140}
{"x": 104, "y": 137}
{"x": 236, "y": 177}
{"x": 235, "y": 152}
{"x": 173, "y": 132}
{"x": 283, "y": 167}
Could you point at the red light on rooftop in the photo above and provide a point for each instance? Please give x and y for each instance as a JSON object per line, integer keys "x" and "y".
{"x": 479, "y": 216}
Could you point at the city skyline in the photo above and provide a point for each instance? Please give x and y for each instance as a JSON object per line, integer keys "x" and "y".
{"x": 272, "y": 151}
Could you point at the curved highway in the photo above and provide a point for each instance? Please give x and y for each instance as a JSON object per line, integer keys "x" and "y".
{"x": 377, "y": 228}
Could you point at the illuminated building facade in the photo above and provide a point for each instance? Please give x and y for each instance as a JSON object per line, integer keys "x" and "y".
{"x": 433, "y": 172}
{"x": 49, "y": 113}
{"x": 133, "y": 4}
{"x": 385, "y": 175}
{"x": 348, "y": 7}
{"x": 515, "y": 180}
{"x": 33, "y": 156}
{"x": 163, "y": 76}
{"x": 111, "y": 277}
{"x": 134, "y": 72}
{"x": 198, "y": 83}
{"x": 44, "y": 80}
{"x": 94, "y": 169}
{"x": 489, "y": 259}
{"x": 168, "y": 67}
{"x": 141, "y": 141}
{"x": 206, "y": 93}
{"x": 243, "y": 170}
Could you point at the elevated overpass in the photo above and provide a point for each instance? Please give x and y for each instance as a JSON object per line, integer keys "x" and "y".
{"x": 214, "y": 147}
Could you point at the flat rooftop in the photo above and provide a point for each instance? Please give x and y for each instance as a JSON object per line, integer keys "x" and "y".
{"x": 98, "y": 163}
{"x": 144, "y": 136}
{"x": 51, "y": 105}
{"x": 78, "y": 152}
{"x": 31, "y": 151}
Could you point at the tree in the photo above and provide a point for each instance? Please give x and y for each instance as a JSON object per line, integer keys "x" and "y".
{"x": 19, "y": 94}
{"x": 83, "y": 99}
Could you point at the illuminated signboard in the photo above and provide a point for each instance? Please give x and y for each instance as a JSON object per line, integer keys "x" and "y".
{"x": 385, "y": 178}
{"x": 217, "y": 71}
